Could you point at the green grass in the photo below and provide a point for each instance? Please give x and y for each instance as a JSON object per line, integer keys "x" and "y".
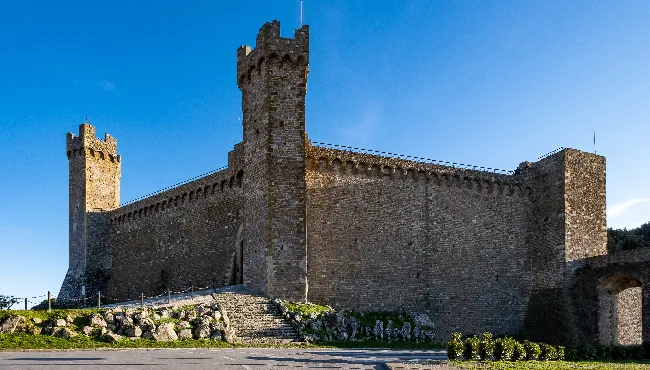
{"x": 553, "y": 365}
{"x": 25, "y": 341}
{"x": 306, "y": 309}
{"x": 53, "y": 315}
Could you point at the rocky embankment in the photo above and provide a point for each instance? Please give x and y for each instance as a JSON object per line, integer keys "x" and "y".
{"x": 330, "y": 325}
{"x": 202, "y": 321}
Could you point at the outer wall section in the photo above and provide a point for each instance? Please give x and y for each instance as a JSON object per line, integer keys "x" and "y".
{"x": 382, "y": 241}
{"x": 178, "y": 239}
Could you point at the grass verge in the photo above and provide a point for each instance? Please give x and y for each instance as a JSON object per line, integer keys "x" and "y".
{"x": 553, "y": 365}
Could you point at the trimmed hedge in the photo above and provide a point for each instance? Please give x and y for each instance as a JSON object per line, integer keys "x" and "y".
{"x": 486, "y": 348}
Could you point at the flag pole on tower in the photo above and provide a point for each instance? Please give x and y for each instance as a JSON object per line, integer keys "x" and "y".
{"x": 301, "y": 24}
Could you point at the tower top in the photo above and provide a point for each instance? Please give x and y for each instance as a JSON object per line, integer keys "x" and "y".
{"x": 87, "y": 139}
{"x": 270, "y": 45}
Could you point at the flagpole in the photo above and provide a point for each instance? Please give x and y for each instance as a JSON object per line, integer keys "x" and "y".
{"x": 301, "y": 24}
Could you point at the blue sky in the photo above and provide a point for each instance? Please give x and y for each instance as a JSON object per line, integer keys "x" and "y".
{"x": 486, "y": 83}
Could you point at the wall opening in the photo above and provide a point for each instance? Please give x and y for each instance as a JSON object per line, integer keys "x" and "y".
{"x": 620, "y": 311}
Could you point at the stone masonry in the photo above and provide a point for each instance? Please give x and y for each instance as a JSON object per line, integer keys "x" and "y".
{"x": 474, "y": 249}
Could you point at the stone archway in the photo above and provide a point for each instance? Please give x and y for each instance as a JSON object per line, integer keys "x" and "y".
{"x": 620, "y": 302}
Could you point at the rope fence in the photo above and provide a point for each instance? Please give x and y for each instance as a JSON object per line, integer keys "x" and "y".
{"x": 99, "y": 299}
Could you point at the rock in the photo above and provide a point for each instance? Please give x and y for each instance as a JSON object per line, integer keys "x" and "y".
{"x": 109, "y": 318}
{"x": 313, "y": 315}
{"x": 96, "y": 321}
{"x": 378, "y": 331}
{"x": 316, "y": 325}
{"x": 112, "y": 337}
{"x": 185, "y": 334}
{"x": 354, "y": 326}
{"x": 199, "y": 310}
{"x": 216, "y": 315}
{"x": 111, "y": 327}
{"x": 87, "y": 330}
{"x": 342, "y": 335}
{"x": 284, "y": 309}
{"x": 420, "y": 319}
{"x": 165, "y": 333}
{"x": 69, "y": 319}
{"x": 297, "y": 317}
{"x": 311, "y": 338}
{"x": 56, "y": 331}
{"x": 216, "y": 335}
{"x": 67, "y": 333}
{"x": 202, "y": 331}
{"x": 103, "y": 331}
{"x": 155, "y": 316}
{"x": 389, "y": 330}
{"x": 133, "y": 331}
{"x": 37, "y": 321}
{"x": 406, "y": 331}
{"x": 141, "y": 315}
{"x": 60, "y": 323}
{"x": 229, "y": 336}
{"x": 217, "y": 325}
{"x": 183, "y": 325}
{"x": 35, "y": 330}
{"x": 397, "y": 333}
{"x": 147, "y": 334}
{"x": 12, "y": 324}
{"x": 165, "y": 313}
{"x": 417, "y": 334}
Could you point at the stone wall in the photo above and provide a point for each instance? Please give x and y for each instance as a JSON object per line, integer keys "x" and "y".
{"x": 387, "y": 233}
{"x": 186, "y": 236}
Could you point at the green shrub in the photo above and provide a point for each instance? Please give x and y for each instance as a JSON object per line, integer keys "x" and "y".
{"x": 471, "y": 350}
{"x": 548, "y": 352}
{"x": 504, "y": 348}
{"x": 619, "y": 353}
{"x": 486, "y": 347}
{"x": 587, "y": 353}
{"x": 455, "y": 346}
{"x": 519, "y": 352}
{"x": 532, "y": 350}
{"x": 603, "y": 352}
{"x": 560, "y": 353}
{"x": 637, "y": 352}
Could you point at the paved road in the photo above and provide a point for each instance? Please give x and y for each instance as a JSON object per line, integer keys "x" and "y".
{"x": 199, "y": 359}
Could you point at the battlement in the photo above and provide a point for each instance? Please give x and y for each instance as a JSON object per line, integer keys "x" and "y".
{"x": 87, "y": 144}
{"x": 222, "y": 181}
{"x": 272, "y": 48}
{"x": 342, "y": 162}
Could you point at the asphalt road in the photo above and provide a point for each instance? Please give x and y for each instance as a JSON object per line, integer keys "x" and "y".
{"x": 200, "y": 359}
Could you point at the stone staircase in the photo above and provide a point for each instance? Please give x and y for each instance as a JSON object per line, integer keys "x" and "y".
{"x": 256, "y": 319}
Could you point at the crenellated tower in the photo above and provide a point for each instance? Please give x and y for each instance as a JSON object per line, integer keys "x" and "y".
{"x": 94, "y": 183}
{"x": 273, "y": 81}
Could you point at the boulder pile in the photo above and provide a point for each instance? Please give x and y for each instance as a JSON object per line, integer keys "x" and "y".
{"x": 329, "y": 326}
{"x": 203, "y": 321}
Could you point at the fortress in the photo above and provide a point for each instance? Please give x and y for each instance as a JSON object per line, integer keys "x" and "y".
{"x": 475, "y": 248}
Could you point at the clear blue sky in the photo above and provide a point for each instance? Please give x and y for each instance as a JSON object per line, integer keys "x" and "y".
{"x": 490, "y": 83}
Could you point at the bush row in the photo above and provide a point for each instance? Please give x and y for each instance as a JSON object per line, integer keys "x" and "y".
{"x": 487, "y": 348}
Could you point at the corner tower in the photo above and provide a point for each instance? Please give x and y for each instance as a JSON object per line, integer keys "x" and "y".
{"x": 273, "y": 81}
{"x": 94, "y": 183}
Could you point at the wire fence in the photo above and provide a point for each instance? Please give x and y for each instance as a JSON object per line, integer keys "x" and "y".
{"x": 174, "y": 186}
{"x": 413, "y": 158}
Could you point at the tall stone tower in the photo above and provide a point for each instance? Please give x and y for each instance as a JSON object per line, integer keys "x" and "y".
{"x": 273, "y": 81}
{"x": 94, "y": 180}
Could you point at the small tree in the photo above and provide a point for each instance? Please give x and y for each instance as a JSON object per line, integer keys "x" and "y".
{"x": 7, "y": 301}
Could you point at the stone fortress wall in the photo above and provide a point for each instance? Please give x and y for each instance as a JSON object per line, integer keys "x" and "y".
{"x": 475, "y": 249}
